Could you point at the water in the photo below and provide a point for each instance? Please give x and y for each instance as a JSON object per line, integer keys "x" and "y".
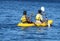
{"x": 11, "y": 12}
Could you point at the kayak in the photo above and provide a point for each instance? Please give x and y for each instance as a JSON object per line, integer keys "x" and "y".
{"x": 44, "y": 24}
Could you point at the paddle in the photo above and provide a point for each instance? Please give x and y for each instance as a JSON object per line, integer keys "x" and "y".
{"x": 43, "y": 12}
{"x": 30, "y": 18}
{"x": 31, "y": 15}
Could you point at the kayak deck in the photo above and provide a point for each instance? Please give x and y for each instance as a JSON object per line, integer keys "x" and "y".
{"x": 44, "y": 24}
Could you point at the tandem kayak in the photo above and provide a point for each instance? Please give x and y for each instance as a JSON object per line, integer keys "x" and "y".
{"x": 44, "y": 24}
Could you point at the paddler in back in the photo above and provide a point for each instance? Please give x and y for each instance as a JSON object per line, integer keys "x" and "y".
{"x": 24, "y": 18}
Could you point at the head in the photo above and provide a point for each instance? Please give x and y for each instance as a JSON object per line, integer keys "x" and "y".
{"x": 24, "y": 12}
{"x": 39, "y": 11}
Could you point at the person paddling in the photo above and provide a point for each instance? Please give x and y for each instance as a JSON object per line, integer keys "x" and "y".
{"x": 44, "y": 15}
{"x": 45, "y": 18}
{"x": 24, "y": 18}
{"x": 39, "y": 17}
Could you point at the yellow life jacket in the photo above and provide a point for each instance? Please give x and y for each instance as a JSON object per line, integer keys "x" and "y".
{"x": 23, "y": 19}
{"x": 39, "y": 17}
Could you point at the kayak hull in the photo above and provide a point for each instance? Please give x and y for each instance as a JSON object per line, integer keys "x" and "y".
{"x": 44, "y": 24}
{"x": 25, "y": 24}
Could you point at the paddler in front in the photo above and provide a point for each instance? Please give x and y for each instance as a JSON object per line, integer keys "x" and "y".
{"x": 39, "y": 17}
{"x": 24, "y": 18}
{"x": 45, "y": 18}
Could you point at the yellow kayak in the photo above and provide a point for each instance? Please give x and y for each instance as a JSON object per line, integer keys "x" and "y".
{"x": 32, "y": 24}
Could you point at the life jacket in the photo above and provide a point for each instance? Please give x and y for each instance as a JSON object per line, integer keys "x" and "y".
{"x": 39, "y": 17}
{"x": 24, "y": 19}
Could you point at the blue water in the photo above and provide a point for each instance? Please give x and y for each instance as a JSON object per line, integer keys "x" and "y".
{"x": 11, "y": 12}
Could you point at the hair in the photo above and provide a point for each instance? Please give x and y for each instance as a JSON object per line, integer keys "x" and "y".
{"x": 39, "y": 11}
{"x": 24, "y": 12}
